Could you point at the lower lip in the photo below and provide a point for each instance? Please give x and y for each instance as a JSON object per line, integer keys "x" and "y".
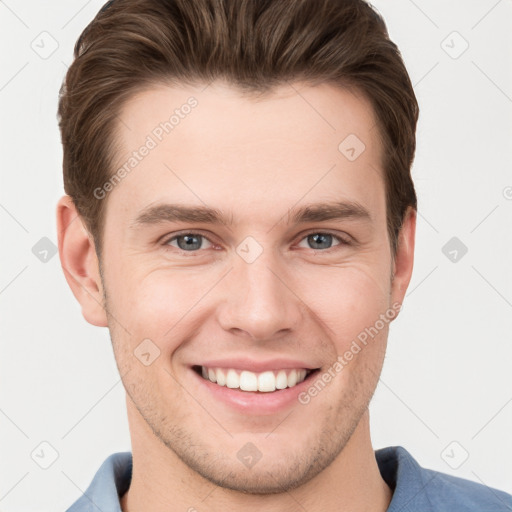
{"x": 253, "y": 402}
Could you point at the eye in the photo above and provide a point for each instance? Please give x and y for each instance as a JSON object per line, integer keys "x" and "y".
{"x": 188, "y": 241}
{"x": 193, "y": 242}
{"x": 321, "y": 241}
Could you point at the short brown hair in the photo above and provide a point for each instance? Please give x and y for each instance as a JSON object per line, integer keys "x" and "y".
{"x": 254, "y": 45}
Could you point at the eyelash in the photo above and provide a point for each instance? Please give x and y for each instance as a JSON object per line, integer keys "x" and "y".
{"x": 342, "y": 241}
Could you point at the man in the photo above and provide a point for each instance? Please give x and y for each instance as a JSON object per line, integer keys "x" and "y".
{"x": 240, "y": 214}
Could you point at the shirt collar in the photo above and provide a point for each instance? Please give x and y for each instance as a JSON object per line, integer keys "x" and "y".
{"x": 406, "y": 478}
{"x": 110, "y": 482}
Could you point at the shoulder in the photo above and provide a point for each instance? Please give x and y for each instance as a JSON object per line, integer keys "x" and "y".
{"x": 416, "y": 487}
{"x": 467, "y": 495}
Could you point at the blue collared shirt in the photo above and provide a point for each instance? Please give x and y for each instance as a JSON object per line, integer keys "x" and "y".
{"x": 414, "y": 488}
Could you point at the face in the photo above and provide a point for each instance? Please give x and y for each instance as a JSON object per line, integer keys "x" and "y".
{"x": 248, "y": 247}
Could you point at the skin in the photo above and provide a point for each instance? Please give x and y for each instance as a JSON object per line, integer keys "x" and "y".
{"x": 253, "y": 159}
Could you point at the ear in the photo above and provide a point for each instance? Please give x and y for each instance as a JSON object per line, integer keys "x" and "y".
{"x": 80, "y": 263}
{"x": 404, "y": 258}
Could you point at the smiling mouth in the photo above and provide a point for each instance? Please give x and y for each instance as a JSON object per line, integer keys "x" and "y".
{"x": 265, "y": 382}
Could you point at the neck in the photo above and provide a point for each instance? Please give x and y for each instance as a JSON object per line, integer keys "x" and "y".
{"x": 162, "y": 482}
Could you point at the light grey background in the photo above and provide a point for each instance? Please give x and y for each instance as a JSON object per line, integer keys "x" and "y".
{"x": 446, "y": 388}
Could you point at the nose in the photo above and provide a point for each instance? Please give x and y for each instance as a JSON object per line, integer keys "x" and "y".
{"x": 261, "y": 302}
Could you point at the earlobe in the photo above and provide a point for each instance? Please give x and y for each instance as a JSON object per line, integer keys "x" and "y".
{"x": 80, "y": 262}
{"x": 404, "y": 258}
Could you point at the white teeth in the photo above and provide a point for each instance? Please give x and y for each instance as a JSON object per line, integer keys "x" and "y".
{"x": 221, "y": 377}
{"x": 267, "y": 381}
{"x": 281, "y": 380}
{"x": 232, "y": 379}
{"x": 248, "y": 381}
{"x": 292, "y": 378}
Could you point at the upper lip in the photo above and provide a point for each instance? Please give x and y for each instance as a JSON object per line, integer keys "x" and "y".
{"x": 255, "y": 366}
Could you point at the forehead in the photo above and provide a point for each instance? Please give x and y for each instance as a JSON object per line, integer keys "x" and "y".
{"x": 214, "y": 144}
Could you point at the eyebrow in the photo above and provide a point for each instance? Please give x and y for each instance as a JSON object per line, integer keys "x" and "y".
{"x": 317, "y": 212}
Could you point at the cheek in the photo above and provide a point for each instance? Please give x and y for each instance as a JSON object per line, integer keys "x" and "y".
{"x": 356, "y": 301}
{"x": 351, "y": 300}
{"x": 154, "y": 304}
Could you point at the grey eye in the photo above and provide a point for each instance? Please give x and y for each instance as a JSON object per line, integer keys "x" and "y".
{"x": 320, "y": 240}
{"x": 188, "y": 242}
